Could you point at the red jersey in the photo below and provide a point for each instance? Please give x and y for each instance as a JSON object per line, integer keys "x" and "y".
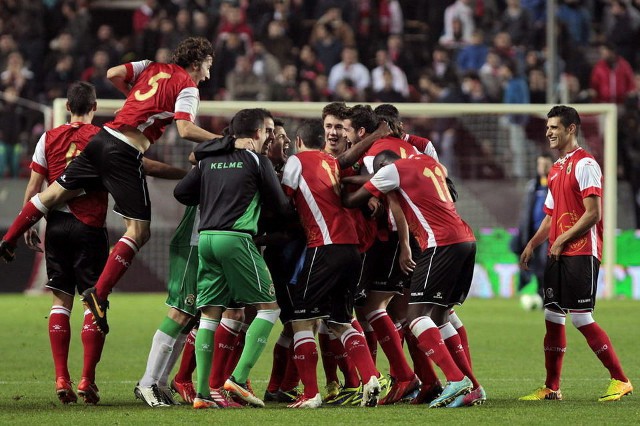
{"x": 366, "y": 227}
{"x": 423, "y": 145}
{"x": 160, "y": 93}
{"x": 571, "y": 179}
{"x": 403, "y": 148}
{"x": 55, "y": 149}
{"x": 425, "y": 200}
{"x": 312, "y": 178}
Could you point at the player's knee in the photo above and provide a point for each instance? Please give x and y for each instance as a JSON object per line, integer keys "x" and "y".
{"x": 580, "y": 319}
{"x": 270, "y": 315}
{"x": 554, "y": 316}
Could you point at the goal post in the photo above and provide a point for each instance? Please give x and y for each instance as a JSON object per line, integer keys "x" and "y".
{"x": 606, "y": 126}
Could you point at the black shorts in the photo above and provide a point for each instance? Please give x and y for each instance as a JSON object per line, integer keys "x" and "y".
{"x": 443, "y": 274}
{"x": 571, "y": 282}
{"x": 75, "y": 253}
{"x": 111, "y": 164}
{"x": 381, "y": 271}
{"x": 327, "y": 282}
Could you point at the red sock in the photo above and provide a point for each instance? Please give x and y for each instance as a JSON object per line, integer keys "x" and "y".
{"x": 356, "y": 324}
{"x": 92, "y": 342}
{"x": 421, "y": 364}
{"x": 345, "y": 364}
{"x": 279, "y": 364}
{"x": 430, "y": 341}
{"x": 118, "y": 262}
{"x": 600, "y": 344}
{"x": 390, "y": 344}
{"x": 28, "y": 216}
{"x": 555, "y": 345}
{"x": 59, "y": 337}
{"x": 462, "y": 332}
{"x": 235, "y": 354}
{"x": 454, "y": 345}
{"x": 358, "y": 352}
{"x": 400, "y": 329}
{"x": 291, "y": 377}
{"x": 224, "y": 339}
{"x": 188, "y": 361}
{"x": 329, "y": 363}
{"x": 372, "y": 343}
{"x": 306, "y": 358}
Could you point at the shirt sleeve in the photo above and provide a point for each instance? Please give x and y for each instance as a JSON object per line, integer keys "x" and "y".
{"x": 549, "y": 203}
{"x": 187, "y": 104}
{"x": 386, "y": 180}
{"x": 39, "y": 159}
{"x": 291, "y": 174}
{"x": 187, "y": 191}
{"x": 589, "y": 177}
{"x": 134, "y": 69}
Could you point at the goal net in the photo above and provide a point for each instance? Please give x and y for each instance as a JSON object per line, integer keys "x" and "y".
{"x": 489, "y": 149}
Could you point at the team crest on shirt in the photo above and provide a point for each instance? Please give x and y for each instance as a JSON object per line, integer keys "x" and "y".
{"x": 569, "y": 167}
{"x": 190, "y": 300}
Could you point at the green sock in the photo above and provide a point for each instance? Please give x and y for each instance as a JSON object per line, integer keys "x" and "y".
{"x": 257, "y": 336}
{"x": 204, "y": 351}
{"x": 170, "y": 327}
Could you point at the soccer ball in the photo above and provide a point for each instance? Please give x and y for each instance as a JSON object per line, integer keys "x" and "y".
{"x": 531, "y": 302}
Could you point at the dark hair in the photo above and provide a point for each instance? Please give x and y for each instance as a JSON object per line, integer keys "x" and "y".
{"x": 192, "y": 50}
{"x": 567, "y": 115}
{"x": 246, "y": 122}
{"x": 387, "y": 111}
{"x": 362, "y": 116}
{"x": 385, "y": 156}
{"x": 338, "y": 109}
{"x": 278, "y": 122}
{"x": 81, "y": 97}
{"x": 265, "y": 113}
{"x": 312, "y": 134}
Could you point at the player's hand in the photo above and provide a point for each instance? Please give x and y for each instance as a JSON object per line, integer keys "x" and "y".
{"x": 32, "y": 240}
{"x": 525, "y": 257}
{"x": 383, "y": 129}
{"x": 407, "y": 265}
{"x": 245, "y": 143}
{"x": 375, "y": 206}
{"x": 556, "y": 248}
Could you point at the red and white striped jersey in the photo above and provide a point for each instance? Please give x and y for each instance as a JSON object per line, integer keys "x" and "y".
{"x": 160, "y": 93}
{"x": 571, "y": 179}
{"x": 312, "y": 178}
{"x": 54, "y": 150}
{"x": 425, "y": 200}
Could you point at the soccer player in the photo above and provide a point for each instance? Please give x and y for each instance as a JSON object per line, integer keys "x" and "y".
{"x": 444, "y": 269}
{"x": 573, "y": 225}
{"x": 326, "y": 284}
{"x": 157, "y": 94}
{"x": 230, "y": 265}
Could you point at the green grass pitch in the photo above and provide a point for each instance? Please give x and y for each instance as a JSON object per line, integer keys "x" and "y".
{"x": 506, "y": 346}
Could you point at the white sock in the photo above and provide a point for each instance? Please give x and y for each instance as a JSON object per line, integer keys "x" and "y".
{"x": 161, "y": 349}
{"x": 173, "y": 358}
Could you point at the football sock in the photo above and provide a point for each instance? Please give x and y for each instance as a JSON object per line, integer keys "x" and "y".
{"x": 30, "y": 214}
{"x": 345, "y": 364}
{"x": 306, "y": 359}
{"x": 188, "y": 361}
{"x": 430, "y": 341}
{"x": 279, "y": 364}
{"x": 462, "y": 332}
{"x": 390, "y": 344}
{"x": 291, "y": 377}
{"x": 204, "y": 348}
{"x": 59, "y": 337}
{"x": 173, "y": 358}
{"x": 225, "y": 343}
{"x": 257, "y": 337}
{"x": 160, "y": 352}
{"x": 117, "y": 264}
{"x": 92, "y": 343}
{"x": 400, "y": 326}
{"x": 555, "y": 345}
{"x": 238, "y": 347}
{"x": 356, "y": 324}
{"x": 454, "y": 345}
{"x": 372, "y": 341}
{"x": 600, "y": 344}
{"x": 421, "y": 364}
{"x": 358, "y": 352}
{"x": 329, "y": 363}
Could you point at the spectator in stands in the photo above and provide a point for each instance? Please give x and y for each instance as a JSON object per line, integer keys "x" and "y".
{"x": 350, "y": 68}
{"x": 504, "y": 47}
{"x": 390, "y": 18}
{"x": 309, "y": 66}
{"x": 474, "y": 55}
{"x": 490, "y": 76}
{"x": 460, "y": 11}
{"x": 538, "y": 11}
{"x": 442, "y": 69}
{"x": 472, "y": 88}
{"x": 16, "y": 75}
{"x": 62, "y": 45}
{"x": 577, "y": 19}
{"x": 105, "y": 40}
{"x": 401, "y": 57}
{"x": 537, "y": 86}
{"x": 611, "y": 77}
{"x": 265, "y": 65}
{"x": 227, "y": 49}
{"x": 343, "y": 31}
{"x": 307, "y": 91}
{"x": 233, "y": 22}
{"x": 201, "y": 25}
{"x": 516, "y": 91}
{"x": 386, "y": 72}
{"x": 456, "y": 40}
{"x": 7, "y": 45}
{"x": 388, "y": 93}
{"x": 286, "y": 87}
{"x": 327, "y": 46}
{"x": 278, "y": 42}
{"x": 183, "y": 24}
{"x": 142, "y": 16}
{"x": 58, "y": 79}
{"x": 96, "y": 74}
{"x": 621, "y": 29}
{"x": 163, "y": 55}
{"x": 243, "y": 84}
{"x": 516, "y": 21}
{"x": 12, "y": 125}
{"x": 629, "y": 146}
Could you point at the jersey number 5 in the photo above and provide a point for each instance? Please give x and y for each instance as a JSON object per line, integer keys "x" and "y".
{"x": 438, "y": 179}
{"x": 153, "y": 82}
